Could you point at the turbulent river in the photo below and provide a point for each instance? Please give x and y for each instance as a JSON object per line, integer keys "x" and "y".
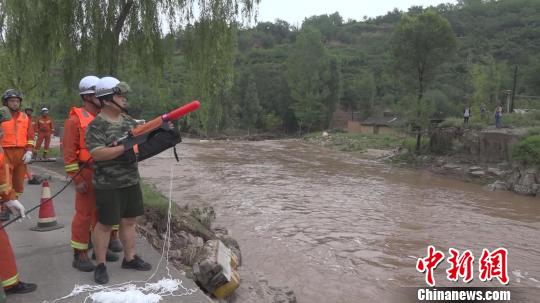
{"x": 338, "y": 228}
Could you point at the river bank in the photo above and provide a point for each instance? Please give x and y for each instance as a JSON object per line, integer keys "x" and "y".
{"x": 478, "y": 156}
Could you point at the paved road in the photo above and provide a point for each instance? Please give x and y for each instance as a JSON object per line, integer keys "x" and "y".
{"x": 45, "y": 257}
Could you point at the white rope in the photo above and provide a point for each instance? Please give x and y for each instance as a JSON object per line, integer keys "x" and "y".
{"x": 129, "y": 291}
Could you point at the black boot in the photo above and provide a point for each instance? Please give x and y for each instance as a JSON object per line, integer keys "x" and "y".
{"x": 100, "y": 274}
{"x": 114, "y": 244}
{"x": 82, "y": 262}
{"x": 109, "y": 257}
{"x": 21, "y": 288}
{"x": 136, "y": 263}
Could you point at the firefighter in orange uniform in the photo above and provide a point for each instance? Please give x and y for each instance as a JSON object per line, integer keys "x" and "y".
{"x": 17, "y": 142}
{"x": 75, "y": 155}
{"x": 9, "y": 277}
{"x": 45, "y": 128}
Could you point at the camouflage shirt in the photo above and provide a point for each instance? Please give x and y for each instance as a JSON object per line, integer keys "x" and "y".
{"x": 5, "y": 115}
{"x": 111, "y": 174}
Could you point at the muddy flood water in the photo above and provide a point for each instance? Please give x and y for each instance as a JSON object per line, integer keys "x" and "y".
{"x": 338, "y": 228}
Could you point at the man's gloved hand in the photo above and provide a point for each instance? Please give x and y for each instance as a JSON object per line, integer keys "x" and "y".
{"x": 27, "y": 158}
{"x": 16, "y": 208}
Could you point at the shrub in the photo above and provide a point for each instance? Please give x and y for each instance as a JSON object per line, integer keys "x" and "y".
{"x": 410, "y": 144}
{"x": 527, "y": 151}
{"x": 533, "y": 131}
{"x": 451, "y": 122}
{"x": 522, "y": 120}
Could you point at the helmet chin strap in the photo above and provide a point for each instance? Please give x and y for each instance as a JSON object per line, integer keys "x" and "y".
{"x": 13, "y": 110}
{"x": 120, "y": 107}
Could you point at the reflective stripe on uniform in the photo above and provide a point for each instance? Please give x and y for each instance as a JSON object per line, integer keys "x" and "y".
{"x": 72, "y": 167}
{"x": 77, "y": 245}
{"x": 4, "y": 187}
{"x": 30, "y": 142}
{"x": 11, "y": 281}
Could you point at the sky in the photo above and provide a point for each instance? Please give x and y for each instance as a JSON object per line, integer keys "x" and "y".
{"x": 294, "y": 11}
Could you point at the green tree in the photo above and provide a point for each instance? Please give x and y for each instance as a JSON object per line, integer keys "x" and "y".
{"x": 249, "y": 110}
{"x": 420, "y": 44}
{"x": 359, "y": 92}
{"x": 89, "y": 35}
{"x": 489, "y": 80}
{"x": 309, "y": 73}
{"x": 328, "y": 25}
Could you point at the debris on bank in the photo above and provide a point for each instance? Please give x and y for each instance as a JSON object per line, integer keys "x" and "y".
{"x": 208, "y": 256}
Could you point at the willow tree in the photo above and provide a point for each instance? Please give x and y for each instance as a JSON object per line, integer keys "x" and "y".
{"x": 211, "y": 65}
{"x": 85, "y": 36}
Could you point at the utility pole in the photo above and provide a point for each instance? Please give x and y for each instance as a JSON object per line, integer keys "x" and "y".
{"x": 513, "y": 90}
{"x": 508, "y": 96}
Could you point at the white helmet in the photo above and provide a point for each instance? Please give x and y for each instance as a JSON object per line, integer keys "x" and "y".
{"x": 87, "y": 85}
{"x": 106, "y": 86}
{"x": 44, "y": 109}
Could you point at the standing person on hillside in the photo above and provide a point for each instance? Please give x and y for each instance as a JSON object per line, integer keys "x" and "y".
{"x": 498, "y": 116}
{"x": 9, "y": 276}
{"x": 116, "y": 181}
{"x": 482, "y": 111}
{"x": 17, "y": 142}
{"x": 45, "y": 129}
{"x": 466, "y": 115}
{"x": 78, "y": 165}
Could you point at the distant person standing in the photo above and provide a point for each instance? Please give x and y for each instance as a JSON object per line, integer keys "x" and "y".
{"x": 498, "y": 116}
{"x": 466, "y": 115}
{"x": 45, "y": 126}
{"x": 482, "y": 111}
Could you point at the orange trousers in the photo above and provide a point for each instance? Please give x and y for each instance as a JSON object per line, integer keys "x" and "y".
{"x": 8, "y": 267}
{"x": 17, "y": 170}
{"x": 85, "y": 218}
{"x": 40, "y": 138}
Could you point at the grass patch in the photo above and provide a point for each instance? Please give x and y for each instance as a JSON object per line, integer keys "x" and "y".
{"x": 475, "y": 122}
{"x": 410, "y": 144}
{"x": 356, "y": 142}
{"x": 527, "y": 151}
{"x": 54, "y": 152}
{"x": 154, "y": 199}
{"x": 531, "y": 119}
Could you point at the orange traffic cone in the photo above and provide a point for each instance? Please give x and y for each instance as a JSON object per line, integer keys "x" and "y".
{"x": 47, "y": 216}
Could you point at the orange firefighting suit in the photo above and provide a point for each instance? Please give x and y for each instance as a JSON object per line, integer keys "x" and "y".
{"x": 75, "y": 155}
{"x": 45, "y": 128}
{"x": 8, "y": 267}
{"x": 18, "y": 138}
